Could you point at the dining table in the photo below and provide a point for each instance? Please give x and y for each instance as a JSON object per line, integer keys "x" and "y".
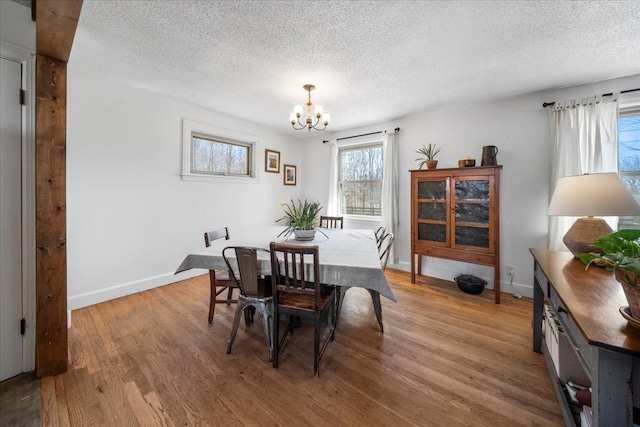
{"x": 348, "y": 258}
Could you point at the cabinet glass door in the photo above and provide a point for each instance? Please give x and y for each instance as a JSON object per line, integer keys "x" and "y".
{"x": 471, "y": 212}
{"x": 432, "y": 210}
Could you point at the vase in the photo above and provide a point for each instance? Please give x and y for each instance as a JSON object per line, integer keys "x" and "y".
{"x": 432, "y": 164}
{"x": 632, "y": 293}
{"x": 304, "y": 234}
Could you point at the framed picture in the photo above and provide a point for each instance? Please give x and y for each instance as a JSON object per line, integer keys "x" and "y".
{"x": 271, "y": 161}
{"x": 289, "y": 175}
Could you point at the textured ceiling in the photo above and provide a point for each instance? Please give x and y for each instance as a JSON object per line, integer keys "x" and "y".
{"x": 370, "y": 61}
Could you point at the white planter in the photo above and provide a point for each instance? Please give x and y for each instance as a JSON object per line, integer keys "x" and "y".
{"x": 304, "y": 234}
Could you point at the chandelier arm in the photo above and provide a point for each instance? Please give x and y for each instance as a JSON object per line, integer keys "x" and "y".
{"x": 301, "y": 125}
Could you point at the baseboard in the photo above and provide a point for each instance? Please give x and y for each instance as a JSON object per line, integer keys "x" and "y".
{"x": 515, "y": 289}
{"x": 102, "y": 295}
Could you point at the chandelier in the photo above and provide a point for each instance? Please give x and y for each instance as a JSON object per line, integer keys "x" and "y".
{"x": 313, "y": 121}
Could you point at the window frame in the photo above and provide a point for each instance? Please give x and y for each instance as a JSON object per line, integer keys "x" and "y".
{"x": 369, "y": 143}
{"x": 192, "y": 128}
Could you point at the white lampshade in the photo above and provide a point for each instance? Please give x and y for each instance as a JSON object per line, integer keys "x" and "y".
{"x": 599, "y": 194}
{"x": 318, "y": 111}
{"x": 292, "y": 117}
{"x": 326, "y": 118}
{"x": 298, "y": 110}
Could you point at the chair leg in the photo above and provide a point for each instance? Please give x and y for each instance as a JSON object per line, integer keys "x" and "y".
{"x": 276, "y": 340}
{"x": 268, "y": 328}
{"x": 377, "y": 307}
{"x": 333, "y": 318}
{"x": 341, "y": 291}
{"x": 316, "y": 347}
{"x": 212, "y": 301}
{"x": 229, "y": 295}
{"x": 236, "y": 321}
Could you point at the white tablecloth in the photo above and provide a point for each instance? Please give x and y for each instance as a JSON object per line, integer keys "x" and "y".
{"x": 348, "y": 257}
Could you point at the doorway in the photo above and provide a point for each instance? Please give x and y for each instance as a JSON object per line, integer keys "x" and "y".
{"x": 17, "y": 212}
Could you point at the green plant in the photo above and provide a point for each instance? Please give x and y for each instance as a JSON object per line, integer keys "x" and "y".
{"x": 300, "y": 216}
{"x": 429, "y": 152}
{"x": 621, "y": 251}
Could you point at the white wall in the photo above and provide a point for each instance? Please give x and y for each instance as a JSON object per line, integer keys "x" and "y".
{"x": 131, "y": 219}
{"x": 519, "y": 128}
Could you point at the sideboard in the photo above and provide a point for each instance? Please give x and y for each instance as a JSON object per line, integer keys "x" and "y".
{"x": 599, "y": 343}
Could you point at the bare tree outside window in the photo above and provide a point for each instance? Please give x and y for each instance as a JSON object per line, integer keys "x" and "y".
{"x": 213, "y": 157}
{"x": 361, "y": 172}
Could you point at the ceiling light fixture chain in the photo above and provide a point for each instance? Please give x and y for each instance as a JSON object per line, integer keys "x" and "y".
{"x": 312, "y": 121}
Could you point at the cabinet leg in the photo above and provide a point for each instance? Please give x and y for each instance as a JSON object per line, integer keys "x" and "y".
{"x": 413, "y": 266}
{"x": 538, "y": 301}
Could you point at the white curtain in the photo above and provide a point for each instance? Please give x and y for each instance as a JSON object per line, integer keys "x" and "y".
{"x": 332, "y": 202}
{"x": 584, "y": 139}
{"x": 390, "y": 187}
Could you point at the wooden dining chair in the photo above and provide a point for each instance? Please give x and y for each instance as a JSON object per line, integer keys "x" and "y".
{"x": 220, "y": 280}
{"x": 331, "y": 221}
{"x": 297, "y": 293}
{"x": 254, "y": 291}
{"x": 384, "y": 249}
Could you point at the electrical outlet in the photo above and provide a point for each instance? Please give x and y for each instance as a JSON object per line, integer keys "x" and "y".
{"x": 511, "y": 271}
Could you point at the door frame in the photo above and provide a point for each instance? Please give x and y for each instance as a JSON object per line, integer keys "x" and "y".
{"x": 28, "y": 60}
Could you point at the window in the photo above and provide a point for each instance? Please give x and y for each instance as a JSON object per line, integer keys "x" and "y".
{"x": 217, "y": 157}
{"x": 629, "y": 154}
{"x": 211, "y": 153}
{"x": 360, "y": 180}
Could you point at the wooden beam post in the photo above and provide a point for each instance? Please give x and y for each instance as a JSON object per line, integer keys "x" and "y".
{"x": 56, "y": 22}
{"x": 51, "y": 231}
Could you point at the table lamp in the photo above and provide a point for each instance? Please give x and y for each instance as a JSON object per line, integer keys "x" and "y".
{"x": 589, "y": 195}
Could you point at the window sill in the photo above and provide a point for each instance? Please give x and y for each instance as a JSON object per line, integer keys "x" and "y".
{"x": 219, "y": 178}
{"x": 363, "y": 218}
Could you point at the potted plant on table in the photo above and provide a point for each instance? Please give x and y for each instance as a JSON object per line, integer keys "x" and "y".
{"x": 302, "y": 219}
{"x": 429, "y": 152}
{"x": 620, "y": 254}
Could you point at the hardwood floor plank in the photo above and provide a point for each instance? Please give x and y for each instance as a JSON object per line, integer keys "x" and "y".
{"x": 445, "y": 358}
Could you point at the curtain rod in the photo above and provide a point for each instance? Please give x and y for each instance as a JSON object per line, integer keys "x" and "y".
{"x": 355, "y": 136}
{"x": 549, "y": 104}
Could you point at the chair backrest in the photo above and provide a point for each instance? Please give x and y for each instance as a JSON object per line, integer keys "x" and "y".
{"x": 216, "y": 234}
{"x": 294, "y": 275}
{"x": 384, "y": 249}
{"x": 380, "y": 232}
{"x": 331, "y": 221}
{"x": 246, "y": 263}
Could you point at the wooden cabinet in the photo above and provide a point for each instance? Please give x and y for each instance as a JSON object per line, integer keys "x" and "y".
{"x": 455, "y": 215}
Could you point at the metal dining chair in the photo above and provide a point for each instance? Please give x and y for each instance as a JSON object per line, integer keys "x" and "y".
{"x": 254, "y": 291}
{"x": 379, "y": 233}
{"x": 384, "y": 249}
{"x": 219, "y": 278}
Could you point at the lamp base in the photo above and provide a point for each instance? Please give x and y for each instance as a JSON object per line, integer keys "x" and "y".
{"x": 583, "y": 233}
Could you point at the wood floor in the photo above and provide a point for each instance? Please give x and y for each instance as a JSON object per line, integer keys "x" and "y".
{"x": 445, "y": 359}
